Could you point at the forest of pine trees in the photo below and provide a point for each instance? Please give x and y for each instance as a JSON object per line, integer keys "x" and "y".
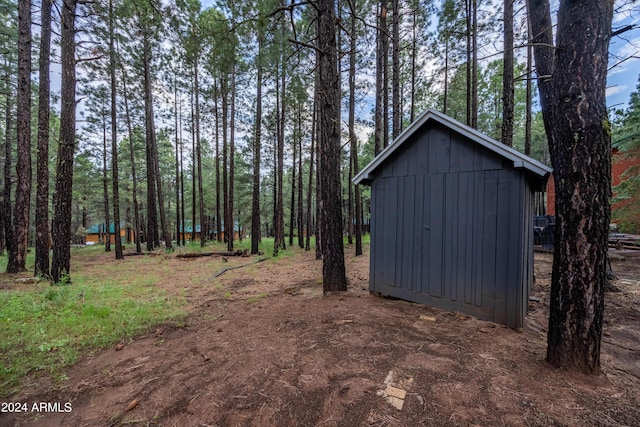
{"x": 181, "y": 120}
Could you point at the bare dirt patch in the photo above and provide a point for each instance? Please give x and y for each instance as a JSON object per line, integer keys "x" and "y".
{"x": 263, "y": 347}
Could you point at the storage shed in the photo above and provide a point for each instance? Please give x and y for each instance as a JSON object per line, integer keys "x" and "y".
{"x": 452, "y": 220}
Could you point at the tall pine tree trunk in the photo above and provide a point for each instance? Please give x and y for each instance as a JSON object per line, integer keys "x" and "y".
{"x": 292, "y": 209}
{"x": 196, "y": 89}
{"x": 333, "y": 268}
{"x": 300, "y": 182}
{"x": 572, "y": 82}
{"x": 395, "y": 65}
{"x": 152, "y": 213}
{"x": 194, "y": 164}
{"x": 18, "y": 244}
{"x": 42, "y": 191}
{"x": 508, "y": 91}
{"x": 307, "y": 243}
{"x": 529, "y": 93}
{"x": 175, "y": 112}
{"x": 114, "y": 136}
{"x": 257, "y": 147}
{"x": 353, "y": 139}
{"x": 154, "y": 163}
{"x": 232, "y": 153}
{"x": 414, "y": 55}
{"x": 317, "y": 129}
{"x": 182, "y": 208}
{"x": 134, "y": 179}
{"x": 279, "y": 242}
{"x": 7, "y": 230}
{"x": 381, "y": 53}
{"x": 105, "y": 185}
{"x": 225, "y": 156}
{"x": 61, "y": 228}
{"x": 218, "y": 215}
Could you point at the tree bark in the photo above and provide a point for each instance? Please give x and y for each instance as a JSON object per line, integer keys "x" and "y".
{"x": 414, "y": 54}
{"x": 300, "y": 182}
{"x": 474, "y": 65}
{"x": 18, "y": 244}
{"x": 225, "y": 155}
{"x": 7, "y": 230}
{"x": 292, "y": 207}
{"x": 218, "y": 216}
{"x": 572, "y": 91}
{"x": 134, "y": 179}
{"x": 44, "y": 98}
{"x": 196, "y": 88}
{"x": 352, "y": 131}
{"x": 105, "y": 184}
{"x": 508, "y": 91}
{"x": 182, "y": 204}
{"x": 381, "y": 52}
{"x": 395, "y": 65}
{"x": 257, "y": 147}
{"x": 177, "y": 133}
{"x": 307, "y": 243}
{"x": 232, "y": 153}
{"x": 529, "y": 93}
{"x": 114, "y": 136}
{"x": 194, "y": 164}
{"x": 152, "y": 213}
{"x": 153, "y": 147}
{"x": 61, "y": 228}
{"x": 279, "y": 242}
{"x": 469, "y": 48}
{"x": 333, "y": 268}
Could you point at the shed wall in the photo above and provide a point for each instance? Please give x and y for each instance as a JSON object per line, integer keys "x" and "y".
{"x": 448, "y": 228}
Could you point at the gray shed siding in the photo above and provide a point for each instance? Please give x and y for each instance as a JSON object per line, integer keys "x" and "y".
{"x": 451, "y": 226}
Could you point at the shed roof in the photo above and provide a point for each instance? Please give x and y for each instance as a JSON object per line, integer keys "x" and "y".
{"x": 538, "y": 170}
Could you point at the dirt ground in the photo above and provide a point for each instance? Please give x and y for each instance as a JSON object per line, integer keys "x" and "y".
{"x": 262, "y": 346}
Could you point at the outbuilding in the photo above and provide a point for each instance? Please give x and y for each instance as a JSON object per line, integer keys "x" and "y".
{"x": 452, "y": 220}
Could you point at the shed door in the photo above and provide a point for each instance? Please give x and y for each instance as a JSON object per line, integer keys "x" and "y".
{"x": 433, "y": 240}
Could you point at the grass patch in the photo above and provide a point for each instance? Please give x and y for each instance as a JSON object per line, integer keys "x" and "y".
{"x": 46, "y": 328}
{"x": 256, "y": 298}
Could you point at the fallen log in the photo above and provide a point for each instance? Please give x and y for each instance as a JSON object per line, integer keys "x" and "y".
{"x": 207, "y": 254}
{"x": 142, "y": 253}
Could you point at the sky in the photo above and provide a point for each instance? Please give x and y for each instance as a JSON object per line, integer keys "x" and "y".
{"x": 624, "y": 61}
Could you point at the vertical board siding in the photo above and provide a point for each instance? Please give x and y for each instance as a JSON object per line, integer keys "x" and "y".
{"x": 479, "y": 231}
{"x": 419, "y": 233}
{"x": 436, "y": 235}
{"x": 425, "y": 256}
{"x": 452, "y": 227}
{"x": 486, "y": 290}
{"x": 409, "y": 233}
{"x": 468, "y": 211}
{"x": 390, "y": 234}
{"x": 450, "y": 238}
{"x": 377, "y": 215}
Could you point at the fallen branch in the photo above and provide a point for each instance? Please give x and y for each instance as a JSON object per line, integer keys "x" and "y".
{"x": 206, "y": 254}
{"x": 221, "y": 272}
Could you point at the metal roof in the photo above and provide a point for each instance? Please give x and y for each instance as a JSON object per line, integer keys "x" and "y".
{"x": 520, "y": 161}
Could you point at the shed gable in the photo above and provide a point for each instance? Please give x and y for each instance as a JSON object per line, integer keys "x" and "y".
{"x": 436, "y": 149}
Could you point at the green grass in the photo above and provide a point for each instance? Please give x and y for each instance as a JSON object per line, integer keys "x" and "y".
{"x": 256, "y": 298}
{"x": 46, "y": 328}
